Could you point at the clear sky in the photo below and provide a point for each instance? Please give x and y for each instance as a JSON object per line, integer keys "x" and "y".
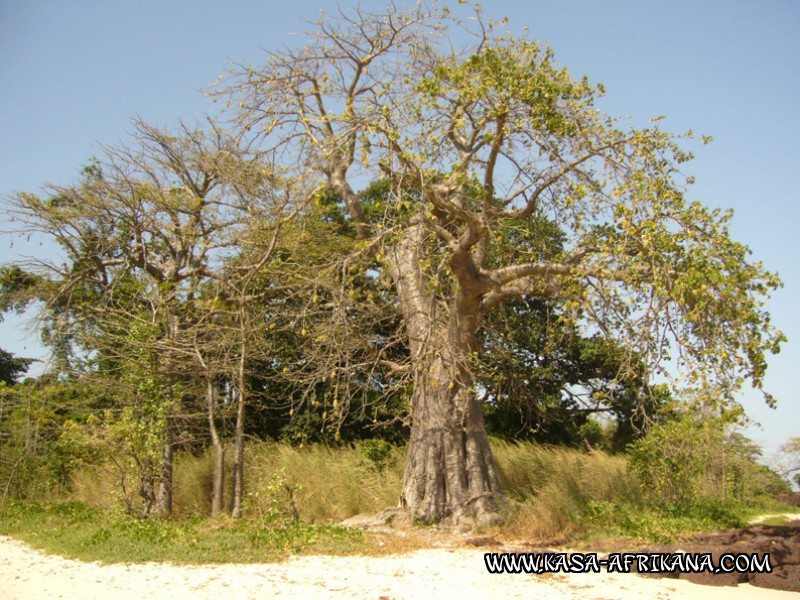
{"x": 74, "y": 73}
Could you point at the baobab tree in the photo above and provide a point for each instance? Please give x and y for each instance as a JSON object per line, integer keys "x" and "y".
{"x": 477, "y": 137}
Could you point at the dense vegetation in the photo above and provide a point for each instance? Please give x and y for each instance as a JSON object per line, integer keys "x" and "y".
{"x": 235, "y": 329}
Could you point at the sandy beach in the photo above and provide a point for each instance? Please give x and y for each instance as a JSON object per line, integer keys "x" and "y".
{"x": 26, "y": 574}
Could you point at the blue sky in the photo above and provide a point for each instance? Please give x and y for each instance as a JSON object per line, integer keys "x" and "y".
{"x": 74, "y": 74}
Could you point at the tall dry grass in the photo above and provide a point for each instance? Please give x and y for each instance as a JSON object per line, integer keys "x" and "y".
{"x": 549, "y": 487}
{"x": 321, "y": 484}
{"x": 325, "y": 484}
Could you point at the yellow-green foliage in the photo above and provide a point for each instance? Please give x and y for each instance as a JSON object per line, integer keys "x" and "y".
{"x": 82, "y": 532}
{"x": 551, "y": 486}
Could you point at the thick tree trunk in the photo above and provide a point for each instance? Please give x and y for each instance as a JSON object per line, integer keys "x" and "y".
{"x": 450, "y": 474}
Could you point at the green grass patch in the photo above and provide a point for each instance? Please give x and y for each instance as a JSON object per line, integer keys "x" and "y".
{"x": 78, "y": 531}
{"x": 660, "y": 524}
{"x": 776, "y": 521}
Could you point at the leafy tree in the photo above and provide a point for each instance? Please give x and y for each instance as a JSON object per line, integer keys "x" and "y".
{"x": 473, "y": 142}
{"x": 670, "y": 460}
{"x": 245, "y": 340}
{"x": 15, "y": 294}
{"x": 688, "y": 455}
{"x": 339, "y": 359}
{"x": 541, "y": 379}
{"x": 38, "y": 445}
{"x": 145, "y": 236}
{"x": 11, "y": 367}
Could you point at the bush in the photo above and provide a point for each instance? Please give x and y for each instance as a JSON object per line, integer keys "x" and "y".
{"x": 683, "y": 460}
{"x": 670, "y": 460}
{"x": 38, "y": 449}
{"x": 377, "y": 452}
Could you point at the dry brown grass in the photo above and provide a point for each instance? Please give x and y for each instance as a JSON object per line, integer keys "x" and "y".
{"x": 321, "y": 483}
{"x": 548, "y": 487}
{"x": 325, "y": 484}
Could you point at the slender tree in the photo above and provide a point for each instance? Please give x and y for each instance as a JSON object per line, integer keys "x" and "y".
{"x": 789, "y": 459}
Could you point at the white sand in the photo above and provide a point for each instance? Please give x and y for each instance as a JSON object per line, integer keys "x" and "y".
{"x": 26, "y": 574}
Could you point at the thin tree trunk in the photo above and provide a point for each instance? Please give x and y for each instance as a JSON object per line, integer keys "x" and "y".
{"x": 237, "y": 491}
{"x": 237, "y": 495}
{"x": 165, "y": 483}
{"x": 164, "y": 497}
{"x": 218, "y": 484}
{"x": 147, "y": 486}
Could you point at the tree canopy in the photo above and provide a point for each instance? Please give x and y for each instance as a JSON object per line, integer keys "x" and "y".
{"x": 443, "y": 213}
{"x": 479, "y": 134}
{"x": 11, "y": 367}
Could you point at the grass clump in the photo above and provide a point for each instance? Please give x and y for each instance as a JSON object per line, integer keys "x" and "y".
{"x": 313, "y": 484}
{"x": 550, "y": 487}
{"x": 560, "y": 492}
{"x": 778, "y": 520}
{"x": 322, "y": 484}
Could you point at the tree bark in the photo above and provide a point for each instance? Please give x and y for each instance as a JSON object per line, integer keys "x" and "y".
{"x": 165, "y": 495}
{"x": 218, "y": 483}
{"x": 237, "y": 494}
{"x": 450, "y": 473}
{"x": 237, "y": 485}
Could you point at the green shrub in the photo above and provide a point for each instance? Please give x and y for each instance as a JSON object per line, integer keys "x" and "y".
{"x": 78, "y": 531}
{"x": 670, "y": 460}
{"x": 378, "y": 452}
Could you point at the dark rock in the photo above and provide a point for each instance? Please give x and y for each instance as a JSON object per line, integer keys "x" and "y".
{"x": 781, "y": 543}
